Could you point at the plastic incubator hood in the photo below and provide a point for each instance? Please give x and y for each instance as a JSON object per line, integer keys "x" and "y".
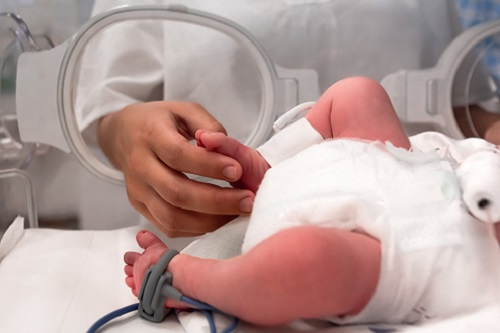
{"x": 46, "y": 80}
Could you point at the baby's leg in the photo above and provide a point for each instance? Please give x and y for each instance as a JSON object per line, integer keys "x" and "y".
{"x": 357, "y": 108}
{"x": 253, "y": 164}
{"x": 302, "y": 272}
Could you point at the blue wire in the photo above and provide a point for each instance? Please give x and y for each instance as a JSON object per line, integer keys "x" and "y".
{"x": 112, "y": 315}
{"x": 233, "y": 325}
{"x": 211, "y": 321}
{"x": 197, "y": 304}
{"x": 204, "y": 308}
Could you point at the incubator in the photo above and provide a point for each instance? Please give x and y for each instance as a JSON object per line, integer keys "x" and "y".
{"x": 47, "y": 79}
{"x": 43, "y": 80}
{"x": 39, "y": 83}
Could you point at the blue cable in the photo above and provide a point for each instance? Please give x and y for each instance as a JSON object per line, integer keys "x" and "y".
{"x": 112, "y": 315}
{"x": 211, "y": 322}
{"x": 200, "y": 306}
{"x": 233, "y": 325}
{"x": 197, "y": 304}
{"x": 157, "y": 285}
{"x": 207, "y": 307}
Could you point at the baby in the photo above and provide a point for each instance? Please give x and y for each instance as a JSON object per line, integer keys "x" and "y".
{"x": 352, "y": 222}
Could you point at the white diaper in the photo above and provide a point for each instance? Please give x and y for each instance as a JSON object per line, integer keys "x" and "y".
{"x": 433, "y": 252}
{"x": 349, "y": 185}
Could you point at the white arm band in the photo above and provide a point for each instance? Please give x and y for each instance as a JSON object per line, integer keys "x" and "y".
{"x": 289, "y": 141}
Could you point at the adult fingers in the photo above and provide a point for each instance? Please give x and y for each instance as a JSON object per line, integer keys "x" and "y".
{"x": 192, "y": 117}
{"x": 179, "y": 154}
{"x": 176, "y": 222}
{"x": 171, "y": 142}
{"x": 180, "y": 191}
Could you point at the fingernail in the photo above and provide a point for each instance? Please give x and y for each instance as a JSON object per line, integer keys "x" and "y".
{"x": 229, "y": 172}
{"x": 246, "y": 205}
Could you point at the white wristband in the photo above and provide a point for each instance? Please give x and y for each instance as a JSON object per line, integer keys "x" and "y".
{"x": 289, "y": 141}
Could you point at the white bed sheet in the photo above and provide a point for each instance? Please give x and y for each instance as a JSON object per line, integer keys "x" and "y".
{"x": 63, "y": 281}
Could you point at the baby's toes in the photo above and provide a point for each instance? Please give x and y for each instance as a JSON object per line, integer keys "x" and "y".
{"x": 131, "y": 257}
{"x": 129, "y": 270}
{"x": 129, "y": 281}
{"x": 147, "y": 239}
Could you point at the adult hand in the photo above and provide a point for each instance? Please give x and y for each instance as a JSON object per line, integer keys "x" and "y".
{"x": 149, "y": 142}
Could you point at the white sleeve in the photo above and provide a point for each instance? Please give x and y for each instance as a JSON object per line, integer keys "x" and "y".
{"x": 121, "y": 65}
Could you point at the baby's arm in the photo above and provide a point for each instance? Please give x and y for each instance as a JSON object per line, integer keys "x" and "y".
{"x": 303, "y": 272}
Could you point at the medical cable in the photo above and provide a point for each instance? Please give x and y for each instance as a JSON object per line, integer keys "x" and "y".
{"x": 207, "y": 309}
{"x": 198, "y": 307}
{"x": 156, "y": 288}
{"x": 112, "y": 315}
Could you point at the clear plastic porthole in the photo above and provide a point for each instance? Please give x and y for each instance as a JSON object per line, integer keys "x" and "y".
{"x": 476, "y": 87}
{"x": 446, "y": 97}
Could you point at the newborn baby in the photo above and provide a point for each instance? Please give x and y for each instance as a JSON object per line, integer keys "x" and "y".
{"x": 357, "y": 225}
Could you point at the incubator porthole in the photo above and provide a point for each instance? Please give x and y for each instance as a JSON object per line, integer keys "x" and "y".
{"x": 476, "y": 87}
{"x": 173, "y": 24}
{"x": 183, "y": 73}
{"x": 62, "y": 72}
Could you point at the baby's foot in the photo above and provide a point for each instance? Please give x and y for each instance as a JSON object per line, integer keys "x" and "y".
{"x": 138, "y": 263}
{"x": 253, "y": 164}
